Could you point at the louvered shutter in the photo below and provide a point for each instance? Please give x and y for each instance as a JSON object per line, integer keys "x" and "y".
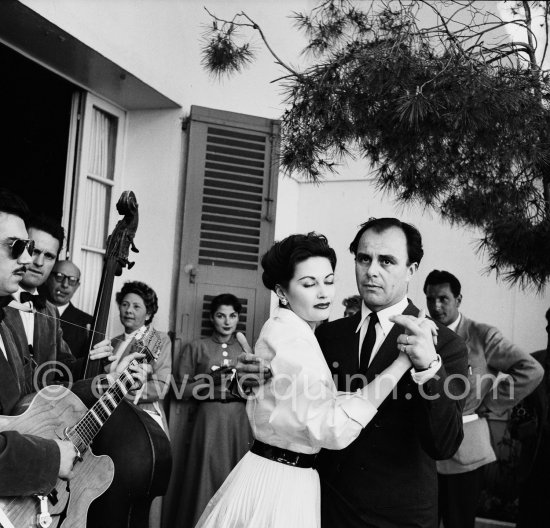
{"x": 232, "y": 198}
{"x": 229, "y": 205}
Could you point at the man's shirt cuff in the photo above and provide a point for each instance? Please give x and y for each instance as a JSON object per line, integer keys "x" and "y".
{"x": 425, "y": 375}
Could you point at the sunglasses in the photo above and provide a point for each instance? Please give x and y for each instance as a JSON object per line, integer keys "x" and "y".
{"x": 18, "y": 246}
{"x": 60, "y": 277}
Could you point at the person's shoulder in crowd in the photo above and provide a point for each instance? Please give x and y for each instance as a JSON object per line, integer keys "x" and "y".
{"x": 477, "y": 326}
{"x": 74, "y": 312}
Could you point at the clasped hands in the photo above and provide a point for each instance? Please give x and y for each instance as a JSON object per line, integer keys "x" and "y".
{"x": 418, "y": 340}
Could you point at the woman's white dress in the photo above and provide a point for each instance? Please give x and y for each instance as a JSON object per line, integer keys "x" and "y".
{"x": 298, "y": 409}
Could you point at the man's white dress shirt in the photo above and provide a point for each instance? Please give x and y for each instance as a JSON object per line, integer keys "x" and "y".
{"x": 383, "y": 328}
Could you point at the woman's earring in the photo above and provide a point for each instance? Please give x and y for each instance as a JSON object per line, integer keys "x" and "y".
{"x": 284, "y": 301}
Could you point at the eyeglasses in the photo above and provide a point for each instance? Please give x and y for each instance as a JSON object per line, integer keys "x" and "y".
{"x": 60, "y": 277}
{"x": 19, "y": 245}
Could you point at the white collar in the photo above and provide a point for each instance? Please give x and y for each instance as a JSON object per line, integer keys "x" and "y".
{"x": 286, "y": 314}
{"x": 62, "y": 308}
{"x": 383, "y": 315}
{"x": 454, "y": 325}
{"x": 130, "y": 336}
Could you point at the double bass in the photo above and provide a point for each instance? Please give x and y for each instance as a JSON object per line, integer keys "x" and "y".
{"x": 138, "y": 447}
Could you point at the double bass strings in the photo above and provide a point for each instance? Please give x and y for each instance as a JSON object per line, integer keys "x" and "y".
{"x": 86, "y": 328}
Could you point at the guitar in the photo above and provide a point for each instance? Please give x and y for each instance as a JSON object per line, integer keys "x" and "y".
{"x": 55, "y": 412}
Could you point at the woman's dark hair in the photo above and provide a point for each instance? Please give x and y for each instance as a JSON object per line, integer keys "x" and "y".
{"x": 225, "y": 299}
{"x": 148, "y": 295}
{"x": 279, "y": 263}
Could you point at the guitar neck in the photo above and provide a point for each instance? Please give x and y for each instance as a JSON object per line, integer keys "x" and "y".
{"x": 85, "y": 430}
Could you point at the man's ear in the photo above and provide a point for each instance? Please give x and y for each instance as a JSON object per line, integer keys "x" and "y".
{"x": 459, "y": 299}
{"x": 413, "y": 268}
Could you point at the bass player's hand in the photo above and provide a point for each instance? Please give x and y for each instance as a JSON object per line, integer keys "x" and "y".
{"x": 103, "y": 350}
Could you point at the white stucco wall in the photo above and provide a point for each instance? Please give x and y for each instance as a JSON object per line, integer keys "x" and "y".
{"x": 153, "y": 171}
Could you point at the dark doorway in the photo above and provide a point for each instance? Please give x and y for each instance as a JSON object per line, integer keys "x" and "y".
{"x": 36, "y": 117}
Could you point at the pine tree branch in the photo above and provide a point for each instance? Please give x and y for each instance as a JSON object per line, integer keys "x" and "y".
{"x": 253, "y": 25}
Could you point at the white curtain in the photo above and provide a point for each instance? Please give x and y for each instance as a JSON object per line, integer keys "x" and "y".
{"x": 97, "y": 204}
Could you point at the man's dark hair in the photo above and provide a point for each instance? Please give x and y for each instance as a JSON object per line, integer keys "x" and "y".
{"x": 443, "y": 277}
{"x": 50, "y": 226}
{"x": 414, "y": 239}
{"x": 11, "y": 204}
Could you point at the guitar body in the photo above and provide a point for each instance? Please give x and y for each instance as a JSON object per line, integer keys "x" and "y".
{"x": 142, "y": 457}
{"x": 52, "y": 410}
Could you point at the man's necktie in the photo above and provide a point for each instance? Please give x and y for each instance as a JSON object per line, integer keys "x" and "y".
{"x": 37, "y": 301}
{"x": 368, "y": 343}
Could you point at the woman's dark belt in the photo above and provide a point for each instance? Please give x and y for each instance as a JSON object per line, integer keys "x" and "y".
{"x": 284, "y": 456}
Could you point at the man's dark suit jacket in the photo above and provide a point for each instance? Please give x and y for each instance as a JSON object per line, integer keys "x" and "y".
{"x": 387, "y": 476}
{"x": 48, "y": 342}
{"x": 73, "y": 323}
{"x": 28, "y": 464}
{"x": 75, "y": 333}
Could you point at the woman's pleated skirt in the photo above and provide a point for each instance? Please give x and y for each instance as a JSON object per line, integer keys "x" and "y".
{"x": 261, "y": 493}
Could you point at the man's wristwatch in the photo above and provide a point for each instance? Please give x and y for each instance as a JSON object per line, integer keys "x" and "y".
{"x": 432, "y": 364}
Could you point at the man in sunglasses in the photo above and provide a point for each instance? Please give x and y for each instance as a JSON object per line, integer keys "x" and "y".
{"x": 33, "y": 321}
{"x": 30, "y": 465}
{"x": 59, "y": 289}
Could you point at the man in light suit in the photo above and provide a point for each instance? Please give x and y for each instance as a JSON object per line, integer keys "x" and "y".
{"x": 489, "y": 353}
{"x": 387, "y": 477}
{"x": 60, "y": 287}
{"x": 39, "y": 334}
